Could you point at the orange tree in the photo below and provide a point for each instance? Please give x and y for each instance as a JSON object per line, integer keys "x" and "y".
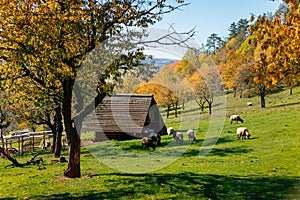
{"x": 278, "y": 41}
{"x": 47, "y": 42}
{"x": 162, "y": 95}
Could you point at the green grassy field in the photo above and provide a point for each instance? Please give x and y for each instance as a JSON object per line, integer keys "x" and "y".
{"x": 216, "y": 166}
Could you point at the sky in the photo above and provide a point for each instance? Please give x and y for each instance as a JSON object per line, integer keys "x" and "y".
{"x": 214, "y": 16}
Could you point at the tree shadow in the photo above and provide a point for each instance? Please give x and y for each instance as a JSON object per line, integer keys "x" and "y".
{"x": 225, "y": 151}
{"x": 188, "y": 186}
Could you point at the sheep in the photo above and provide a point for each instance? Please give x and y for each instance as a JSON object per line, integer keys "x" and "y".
{"x": 155, "y": 138}
{"x": 170, "y": 131}
{"x": 147, "y": 142}
{"x": 242, "y": 132}
{"x": 178, "y": 137}
{"x": 236, "y": 118}
{"x": 191, "y": 135}
{"x": 249, "y": 104}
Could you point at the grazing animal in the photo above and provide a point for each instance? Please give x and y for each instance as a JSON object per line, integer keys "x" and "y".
{"x": 155, "y": 138}
{"x": 178, "y": 137}
{"x": 170, "y": 131}
{"x": 242, "y": 132}
{"x": 191, "y": 135}
{"x": 236, "y": 118}
{"x": 147, "y": 142}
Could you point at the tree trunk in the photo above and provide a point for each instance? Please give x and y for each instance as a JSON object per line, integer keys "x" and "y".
{"x": 234, "y": 92}
{"x": 176, "y": 107}
{"x": 2, "y": 140}
{"x": 210, "y": 107}
{"x": 59, "y": 130}
{"x": 291, "y": 91}
{"x": 14, "y": 161}
{"x": 54, "y": 136}
{"x": 262, "y": 97}
{"x": 168, "y": 111}
{"x": 73, "y": 170}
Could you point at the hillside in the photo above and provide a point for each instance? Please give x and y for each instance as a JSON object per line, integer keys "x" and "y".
{"x": 266, "y": 166}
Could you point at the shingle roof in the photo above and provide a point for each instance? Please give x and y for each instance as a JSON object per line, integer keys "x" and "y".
{"x": 125, "y": 116}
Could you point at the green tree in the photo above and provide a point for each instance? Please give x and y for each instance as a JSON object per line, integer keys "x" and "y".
{"x": 213, "y": 43}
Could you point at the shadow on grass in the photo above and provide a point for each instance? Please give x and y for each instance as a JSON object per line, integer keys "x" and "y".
{"x": 188, "y": 186}
{"x": 226, "y": 151}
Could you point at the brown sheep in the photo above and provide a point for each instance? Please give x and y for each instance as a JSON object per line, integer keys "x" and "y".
{"x": 236, "y": 118}
{"x": 147, "y": 142}
{"x": 242, "y": 132}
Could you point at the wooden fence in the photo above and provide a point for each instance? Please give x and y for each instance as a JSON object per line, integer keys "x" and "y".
{"x": 27, "y": 142}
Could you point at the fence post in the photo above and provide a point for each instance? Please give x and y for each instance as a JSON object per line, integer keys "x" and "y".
{"x": 22, "y": 144}
{"x": 19, "y": 146}
{"x": 44, "y": 140}
{"x": 33, "y": 143}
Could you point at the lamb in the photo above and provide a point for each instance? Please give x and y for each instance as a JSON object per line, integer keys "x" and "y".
{"x": 191, "y": 135}
{"x": 155, "y": 138}
{"x": 147, "y": 142}
{"x": 242, "y": 132}
{"x": 236, "y": 118}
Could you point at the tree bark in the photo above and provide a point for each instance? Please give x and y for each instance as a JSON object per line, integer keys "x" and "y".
{"x": 176, "y": 107}
{"x": 168, "y": 111}
{"x": 73, "y": 170}
{"x": 54, "y": 136}
{"x": 210, "y": 107}
{"x": 234, "y": 92}
{"x": 262, "y": 97}
{"x": 59, "y": 130}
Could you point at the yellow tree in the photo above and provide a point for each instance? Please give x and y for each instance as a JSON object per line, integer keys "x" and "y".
{"x": 47, "y": 42}
{"x": 235, "y": 71}
{"x": 278, "y": 41}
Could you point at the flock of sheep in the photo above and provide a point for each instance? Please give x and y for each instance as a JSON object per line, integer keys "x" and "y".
{"x": 155, "y": 139}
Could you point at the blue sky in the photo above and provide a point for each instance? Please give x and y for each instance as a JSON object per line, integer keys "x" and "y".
{"x": 214, "y": 16}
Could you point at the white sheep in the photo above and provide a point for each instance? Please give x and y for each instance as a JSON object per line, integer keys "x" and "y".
{"x": 249, "y": 104}
{"x": 178, "y": 137}
{"x": 242, "y": 132}
{"x": 236, "y": 118}
{"x": 170, "y": 131}
{"x": 191, "y": 135}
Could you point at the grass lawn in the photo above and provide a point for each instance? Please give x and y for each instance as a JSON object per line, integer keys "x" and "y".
{"x": 216, "y": 166}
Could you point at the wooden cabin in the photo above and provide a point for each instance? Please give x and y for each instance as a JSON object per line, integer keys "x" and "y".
{"x": 125, "y": 117}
